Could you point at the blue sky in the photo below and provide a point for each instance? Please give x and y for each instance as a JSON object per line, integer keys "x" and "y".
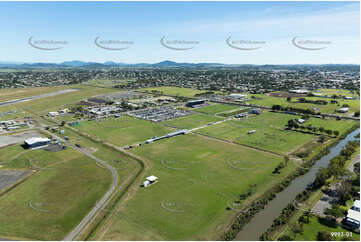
{"x": 272, "y": 24}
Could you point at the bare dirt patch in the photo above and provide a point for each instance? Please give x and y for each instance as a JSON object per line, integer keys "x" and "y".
{"x": 8, "y": 178}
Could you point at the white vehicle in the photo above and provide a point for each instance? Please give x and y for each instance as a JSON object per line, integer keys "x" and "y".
{"x": 150, "y": 180}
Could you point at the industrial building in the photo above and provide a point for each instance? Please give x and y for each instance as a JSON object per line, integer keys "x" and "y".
{"x": 169, "y": 135}
{"x": 236, "y": 96}
{"x": 36, "y": 142}
{"x": 196, "y": 103}
{"x": 300, "y": 91}
{"x": 352, "y": 219}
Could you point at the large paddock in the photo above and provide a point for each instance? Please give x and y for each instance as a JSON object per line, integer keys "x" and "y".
{"x": 173, "y": 91}
{"x": 198, "y": 179}
{"x": 54, "y": 200}
{"x": 192, "y": 121}
{"x": 270, "y": 133}
{"x": 124, "y": 130}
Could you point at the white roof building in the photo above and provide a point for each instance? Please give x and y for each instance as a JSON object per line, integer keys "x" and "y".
{"x": 353, "y": 215}
{"x": 53, "y": 114}
{"x": 237, "y": 96}
{"x": 35, "y": 140}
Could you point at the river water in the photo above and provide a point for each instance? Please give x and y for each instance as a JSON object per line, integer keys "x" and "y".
{"x": 264, "y": 218}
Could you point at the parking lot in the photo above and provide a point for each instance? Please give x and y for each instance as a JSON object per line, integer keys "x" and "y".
{"x": 118, "y": 96}
{"x": 160, "y": 114}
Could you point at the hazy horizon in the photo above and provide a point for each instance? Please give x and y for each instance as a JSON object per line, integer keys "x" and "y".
{"x": 192, "y": 32}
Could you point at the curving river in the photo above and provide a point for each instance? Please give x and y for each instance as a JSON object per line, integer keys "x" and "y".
{"x": 263, "y": 220}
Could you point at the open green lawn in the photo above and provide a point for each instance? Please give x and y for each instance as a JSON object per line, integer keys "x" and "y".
{"x": 174, "y": 91}
{"x": 192, "y": 121}
{"x": 60, "y": 101}
{"x": 329, "y": 123}
{"x": 216, "y": 108}
{"x": 311, "y": 230}
{"x": 11, "y": 113}
{"x": 269, "y": 135}
{"x": 266, "y": 100}
{"x": 6, "y": 153}
{"x": 7, "y": 94}
{"x": 40, "y": 158}
{"x": 52, "y": 202}
{"x": 123, "y": 163}
{"x": 125, "y": 130}
{"x": 331, "y": 92}
{"x": 197, "y": 178}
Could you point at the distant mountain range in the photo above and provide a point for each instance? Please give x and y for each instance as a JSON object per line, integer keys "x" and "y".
{"x": 163, "y": 64}
{"x": 77, "y": 63}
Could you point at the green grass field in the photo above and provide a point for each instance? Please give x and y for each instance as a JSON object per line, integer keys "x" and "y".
{"x": 6, "y": 153}
{"x": 266, "y": 100}
{"x": 311, "y": 230}
{"x": 192, "y": 121}
{"x": 53, "y": 201}
{"x": 216, "y": 108}
{"x": 174, "y": 91}
{"x": 269, "y": 135}
{"x": 333, "y": 124}
{"x": 123, "y": 164}
{"x": 16, "y": 93}
{"x": 198, "y": 177}
{"x": 16, "y": 113}
{"x": 331, "y": 92}
{"x": 54, "y": 103}
{"x": 125, "y": 130}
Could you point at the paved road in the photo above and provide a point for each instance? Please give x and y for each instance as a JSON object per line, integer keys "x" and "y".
{"x": 102, "y": 202}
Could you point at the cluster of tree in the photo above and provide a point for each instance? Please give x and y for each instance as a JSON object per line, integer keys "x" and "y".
{"x": 202, "y": 94}
{"x": 246, "y": 216}
{"x": 336, "y": 165}
{"x": 293, "y": 124}
{"x": 294, "y": 109}
{"x": 280, "y": 166}
{"x": 318, "y": 102}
